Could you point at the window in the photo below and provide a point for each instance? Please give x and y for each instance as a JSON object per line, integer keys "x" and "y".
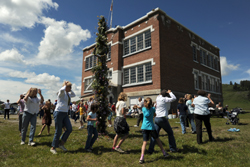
{"x": 87, "y": 82}
{"x": 91, "y": 61}
{"x": 212, "y": 61}
{"x": 194, "y": 53}
{"x": 196, "y": 80}
{"x": 201, "y": 57}
{"x": 204, "y": 57}
{"x": 218, "y": 85}
{"x": 216, "y": 63}
{"x": 212, "y": 84}
{"x": 137, "y": 43}
{"x": 109, "y": 75}
{"x": 109, "y": 53}
{"x": 138, "y": 74}
{"x": 208, "y": 60}
{"x": 207, "y": 83}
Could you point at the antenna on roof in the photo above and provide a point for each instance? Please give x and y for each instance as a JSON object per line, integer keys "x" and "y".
{"x": 111, "y": 10}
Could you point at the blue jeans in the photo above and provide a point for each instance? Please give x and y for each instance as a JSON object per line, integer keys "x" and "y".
{"x": 91, "y": 140}
{"x": 61, "y": 120}
{"x": 26, "y": 119}
{"x": 182, "y": 120}
{"x": 162, "y": 122}
{"x": 191, "y": 119}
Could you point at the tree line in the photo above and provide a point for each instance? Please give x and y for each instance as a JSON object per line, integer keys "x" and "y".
{"x": 243, "y": 86}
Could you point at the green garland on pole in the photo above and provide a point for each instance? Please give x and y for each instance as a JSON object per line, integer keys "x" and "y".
{"x": 101, "y": 82}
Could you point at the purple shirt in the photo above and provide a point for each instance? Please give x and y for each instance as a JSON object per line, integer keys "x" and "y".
{"x": 21, "y": 102}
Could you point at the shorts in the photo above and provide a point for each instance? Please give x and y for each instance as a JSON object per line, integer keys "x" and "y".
{"x": 81, "y": 118}
{"x": 121, "y": 126}
{"x": 147, "y": 133}
{"x": 110, "y": 116}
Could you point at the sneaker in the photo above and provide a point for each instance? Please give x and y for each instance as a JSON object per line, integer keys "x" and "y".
{"x": 80, "y": 127}
{"x": 91, "y": 148}
{"x": 109, "y": 125}
{"x": 193, "y": 132}
{"x": 136, "y": 126}
{"x": 174, "y": 151}
{"x": 63, "y": 148}
{"x": 141, "y": 161}
{"x": 22, "y": 143}
{"x": 31, "y": 143}
{"x": 53, "y": 151}
{"x": 88, "y": 150}
{"x": 166, "y": 155}
{"x": 119, "y": 150}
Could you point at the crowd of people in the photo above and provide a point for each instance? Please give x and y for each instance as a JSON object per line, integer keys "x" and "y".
{"x": 153, "y": 115}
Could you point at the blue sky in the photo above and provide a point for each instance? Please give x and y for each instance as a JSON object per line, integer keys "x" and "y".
{"x": 41, "y": 41}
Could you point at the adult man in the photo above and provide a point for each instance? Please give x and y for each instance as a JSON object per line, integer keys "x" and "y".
{"x": 161, "y": 121}
{"x": 139, "y": 107}
{"x": 7, "y": 109}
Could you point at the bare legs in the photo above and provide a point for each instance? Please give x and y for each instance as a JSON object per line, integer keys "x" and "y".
{"x": 43, "y": 127}
{"x": 120, "y": 142}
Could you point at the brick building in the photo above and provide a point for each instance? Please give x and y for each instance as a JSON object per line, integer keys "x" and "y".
{"x": 156, "y": 52}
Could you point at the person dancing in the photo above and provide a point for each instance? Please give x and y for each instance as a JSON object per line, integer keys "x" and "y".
{"x": 46, "y": 117}
{"x": 61, "y": 117}
{"x": 161, "y": 121}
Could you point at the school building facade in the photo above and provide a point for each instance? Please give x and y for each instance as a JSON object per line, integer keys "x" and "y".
{"x": 152, "y": 53}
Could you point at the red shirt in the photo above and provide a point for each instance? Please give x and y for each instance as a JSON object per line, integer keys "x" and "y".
{"x": 113, "y": 107}
{"x": 86, "y": 106}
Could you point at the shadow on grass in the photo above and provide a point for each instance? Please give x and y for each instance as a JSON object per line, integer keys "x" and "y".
{"x": 192, "y": 149}
{"x": 44, "y": 144}
{"x": 167, "y": 159}
{"x": 242, "y": 123}
{"x": 226, "y": 139}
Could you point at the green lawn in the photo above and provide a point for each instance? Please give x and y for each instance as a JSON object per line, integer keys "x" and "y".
{"x": 229, "y": 149}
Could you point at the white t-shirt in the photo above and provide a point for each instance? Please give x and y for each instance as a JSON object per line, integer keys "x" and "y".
{"x": 119, "y": 106}
{"x": 6, "y": 105}
{"x": 32, "y": 105}
{"x": 74, "y": 107}
{"x": 141, "y": 104}
{"x": 162, "y": 104}
{"x": 201, "y": 105}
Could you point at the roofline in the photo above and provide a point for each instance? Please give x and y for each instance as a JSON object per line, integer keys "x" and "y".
{"x": 144, "y": 17}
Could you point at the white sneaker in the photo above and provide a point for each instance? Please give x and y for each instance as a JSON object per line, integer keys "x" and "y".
{"x": 109, "y": 125}
{"x": 80, "y": 127}
{"x": 22, "y": 143}
{"x": 63, "y": 148}
{"x": 53, "y": 151}
{"x": 31, "y": 143}
{"x": 136, "y": 126}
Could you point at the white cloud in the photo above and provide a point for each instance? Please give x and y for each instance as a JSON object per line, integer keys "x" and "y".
{"x": 59, "y": 39}
{"x": 227, "y": 68}
{"x": 12, "y": 56}
{"x": 6, "y": 37}
{"x": 23, "y": 13}
{"x": 50, "y": 84}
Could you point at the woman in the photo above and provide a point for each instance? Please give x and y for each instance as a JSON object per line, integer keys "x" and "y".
{"x": 191, "y": 112}
{"x": 182, "y": 108}
{"x": 46, "y": 117}
{"x": 161, "y": 121}
{"x": 61, "y": 117}
{"x": 201, "y": 113}
{"x": 30, "y": 114}
{"x": 120, "y": 124}
{"x": 21, "y": 105}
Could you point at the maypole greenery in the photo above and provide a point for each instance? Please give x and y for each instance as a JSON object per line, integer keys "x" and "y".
{"x": 101, "y": 82}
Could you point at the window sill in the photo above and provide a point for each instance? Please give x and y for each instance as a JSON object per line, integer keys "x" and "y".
{"x": 137, "y": 84}
{"x": 88, "y": 91}
{"x": 130, "y": 54}
{"x": 209, "y": 67}
{"x": 195, "y": 61}
{"x": 88, "y": 69}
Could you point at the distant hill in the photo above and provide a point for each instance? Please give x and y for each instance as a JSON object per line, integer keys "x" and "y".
{"x": 235, "y": 98}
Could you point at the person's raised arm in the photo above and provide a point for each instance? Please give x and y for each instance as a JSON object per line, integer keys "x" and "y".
{"x": 171, "y": 98}
{"x": 27, "y": 95}
{"x": 40, "y": 93}
{"x": 21, "y": 96}
{"x": 72, "y": 94}
{"x": 211, "y": 101}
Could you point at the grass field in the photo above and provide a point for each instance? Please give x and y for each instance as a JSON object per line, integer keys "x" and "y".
{"x": 228, "y": 149}
{"x": 235, "y": 98}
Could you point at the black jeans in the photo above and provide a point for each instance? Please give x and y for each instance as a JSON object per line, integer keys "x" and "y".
{"x": 20, "y": 122}
{"x": 140, "y": 119}
{"x": 7, "y": 111}
{"x": 198, "y": 120}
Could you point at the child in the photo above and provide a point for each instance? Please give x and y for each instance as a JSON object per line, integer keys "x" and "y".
{"x": 91, "y": 127}
{"x": 120, "y": 124}
{"x": 148, "y": 128}
{"x": 46, "y": 117}
{"x": 110, "y": 116}
{"x": 82, "y": 112}
{"x": 182, "y": 108}
{"x": 29, "y": 115}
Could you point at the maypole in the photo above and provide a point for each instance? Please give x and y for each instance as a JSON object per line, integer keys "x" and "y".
{"x": 101, "y": 82}
{"x": 111, "y": 10}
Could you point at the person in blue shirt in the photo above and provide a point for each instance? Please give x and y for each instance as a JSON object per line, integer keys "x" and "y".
{"x": 148, "y": 128}
{"x": 182, "y": 108}
{"x": 91, "y": 127}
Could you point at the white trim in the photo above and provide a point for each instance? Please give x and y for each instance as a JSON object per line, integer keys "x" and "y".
{"x": 209, "y": 75}
{"x": 135, "y": 84}
{"x": 91, "y": 54}
{"x": 139, "y": 32}
{"x": 88, "y": 47}
{"x": 87, "y": 77}
{"x": 87, "y": 91}
{"x": 210, "y": 67}
{"x": 127, "y": 55}
{"x": 140, "y": 62}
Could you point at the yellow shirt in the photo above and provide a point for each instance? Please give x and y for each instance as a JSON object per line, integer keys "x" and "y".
{"x": 81, "y": 110}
